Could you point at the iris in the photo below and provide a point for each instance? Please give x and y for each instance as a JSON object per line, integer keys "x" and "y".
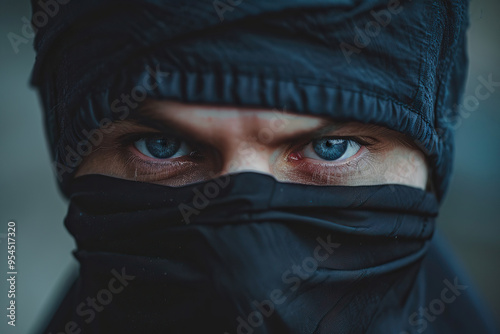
{"x": 159, "y": 147}
{"x": 330, "y": 148}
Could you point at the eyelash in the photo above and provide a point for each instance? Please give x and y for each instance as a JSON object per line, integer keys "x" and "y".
{"x": 341, "y": 169}
{"x": 154, "y": 169}
{"x": 338, "y": 170}
{"x": 128, "y": 140}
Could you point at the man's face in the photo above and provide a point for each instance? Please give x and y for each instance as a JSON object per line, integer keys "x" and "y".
{"x": 176, "y": 144}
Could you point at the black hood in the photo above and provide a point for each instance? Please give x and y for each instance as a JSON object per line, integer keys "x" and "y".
{"x": 400, "y": 64}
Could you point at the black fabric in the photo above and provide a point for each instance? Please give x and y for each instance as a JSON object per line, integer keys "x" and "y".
{"x": 209, "y": 258}
{"x": 158, "y": 259}
{"x": 305, "y": 56}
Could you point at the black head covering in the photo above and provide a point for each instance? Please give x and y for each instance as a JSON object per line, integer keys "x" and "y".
{"x": 400, "y": 64}
{"x": 246, "y": 253}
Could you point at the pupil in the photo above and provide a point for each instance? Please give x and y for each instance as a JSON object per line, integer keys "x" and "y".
{"x": 162, "y": 147}
{"x": 329, "y": 148}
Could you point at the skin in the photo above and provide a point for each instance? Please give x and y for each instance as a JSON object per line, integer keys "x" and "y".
{"x": 224, "y": 139}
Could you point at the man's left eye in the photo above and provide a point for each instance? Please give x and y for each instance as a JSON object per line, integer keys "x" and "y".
{"x": 162, "y": 147}
{"x": 331, "y": 149}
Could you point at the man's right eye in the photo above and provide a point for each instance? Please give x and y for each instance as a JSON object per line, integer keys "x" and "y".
{"x": 162, "y": 146}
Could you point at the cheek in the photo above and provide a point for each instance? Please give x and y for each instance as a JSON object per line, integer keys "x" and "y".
{"x": 99, "y": 163}
{"x": 406, "y": 166}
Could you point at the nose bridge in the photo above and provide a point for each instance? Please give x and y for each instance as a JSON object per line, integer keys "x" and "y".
{"x": 246, "y": 153}
{"x": 239, "y": 144}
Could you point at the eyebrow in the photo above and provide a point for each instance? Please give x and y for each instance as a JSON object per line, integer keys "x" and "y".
{"x": 151, "y": 121}
{"x": 149, "y": 116}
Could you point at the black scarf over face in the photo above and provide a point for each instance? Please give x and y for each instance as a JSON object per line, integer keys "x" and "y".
{"x": 245, "y": 253}
{"x": 248, "y": 254}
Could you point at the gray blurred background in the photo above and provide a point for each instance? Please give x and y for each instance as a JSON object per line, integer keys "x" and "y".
{"x": 28, "y": 194}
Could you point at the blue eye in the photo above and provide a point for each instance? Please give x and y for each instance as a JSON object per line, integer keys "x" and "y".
{"x": 331, "y": 149}
{"x": 162, "y": 147}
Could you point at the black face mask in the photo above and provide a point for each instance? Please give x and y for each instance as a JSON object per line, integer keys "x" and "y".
{"x": 243, "y": 254}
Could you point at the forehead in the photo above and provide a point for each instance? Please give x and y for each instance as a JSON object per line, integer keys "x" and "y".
{"x": 205, "y": 116}
{"x": 201, "y": 120}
